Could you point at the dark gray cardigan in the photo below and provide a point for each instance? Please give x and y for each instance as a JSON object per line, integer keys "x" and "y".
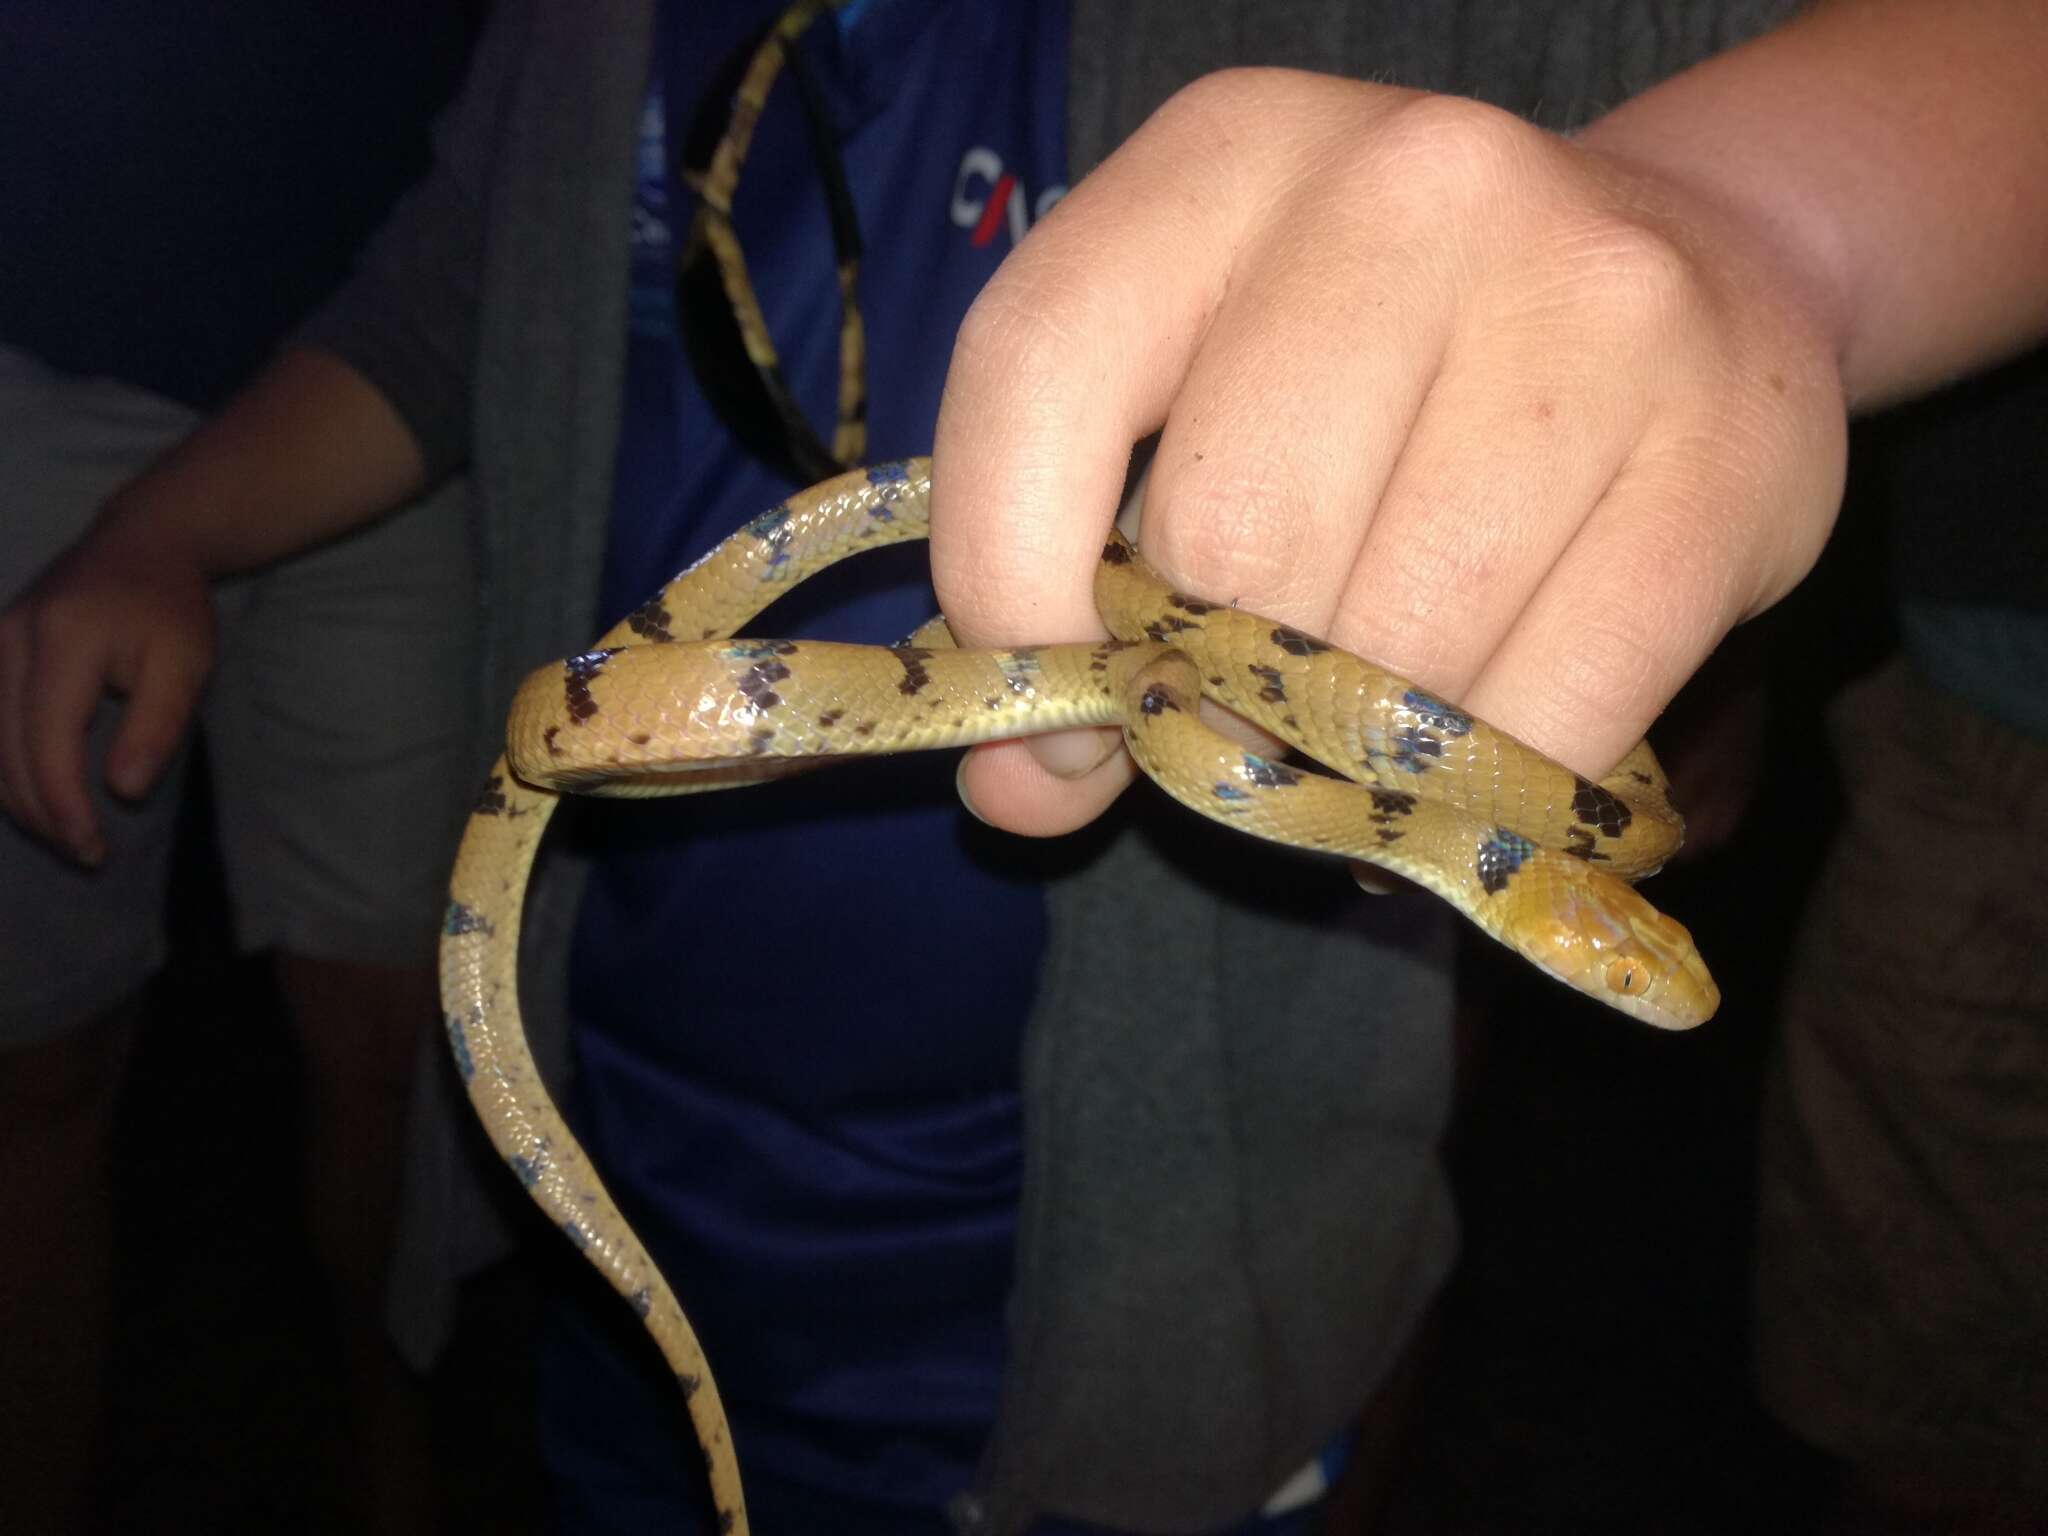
{"x": 1235, "y": 1078}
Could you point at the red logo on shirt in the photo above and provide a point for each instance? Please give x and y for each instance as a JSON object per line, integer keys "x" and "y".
{"x": 986, "y": 197}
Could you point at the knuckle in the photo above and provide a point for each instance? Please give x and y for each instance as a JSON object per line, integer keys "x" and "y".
{"x": 1456, "y": 152}
{"x": 1643, "y": 285}
{"x": 1424, "y": 611}
{"x": 1240, "y": 531}
{"x": 1014, "y": 334}
{"x": 1612, "y": 669}
{"x": 1221, "y": 96}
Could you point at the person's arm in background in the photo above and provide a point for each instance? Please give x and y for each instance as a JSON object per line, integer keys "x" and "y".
{"x": 309, "y": 450}
{"x": 1531, "y": 420}
{"x": 364, "y": 412}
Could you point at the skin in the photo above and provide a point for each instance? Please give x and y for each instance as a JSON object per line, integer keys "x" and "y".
{"x": 310, "y": 450}
{"x": 1532, "y": 421}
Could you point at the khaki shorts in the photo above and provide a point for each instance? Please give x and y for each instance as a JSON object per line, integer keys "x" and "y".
{"x": 1903, "y": 1253}
{"x": 337, "y": 728}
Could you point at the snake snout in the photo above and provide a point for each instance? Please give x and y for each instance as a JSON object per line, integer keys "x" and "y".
{"x": 1659, "y": 971}
{"x": 1607, "y": 941}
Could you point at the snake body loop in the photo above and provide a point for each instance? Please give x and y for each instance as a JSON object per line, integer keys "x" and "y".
{"x": 668, "y": 703}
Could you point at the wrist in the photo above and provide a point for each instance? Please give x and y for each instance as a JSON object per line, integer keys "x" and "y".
{"x": 152, "y": 521}
{"x": 1789, "y": 256}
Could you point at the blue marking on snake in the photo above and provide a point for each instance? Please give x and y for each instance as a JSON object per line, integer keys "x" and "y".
{"x": 458, "y": 1044}
{"x": 1500, "y": 856}
{"x": 772, "y": 529}
{"x": 1419, "y": 747}
{"x": 1230, "y": 792}
{"x": 578, "y": 1238}
{"x": 891, "y": 480}
{"x": 525, "y": 1169}
{"x": 1265, "y": 774}
{"x": 758, "y": 650}
{"x": 1447, "y": 718}
{"x": 460, "y": 920}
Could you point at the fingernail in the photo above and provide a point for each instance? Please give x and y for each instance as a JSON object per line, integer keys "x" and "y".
{"x": 960, "y": 788}
{"x": 1374, "y": 882}
{"x": 89, "y": 850}
{"x": 1075, "y": 754}
{"x": 131, "y": 778}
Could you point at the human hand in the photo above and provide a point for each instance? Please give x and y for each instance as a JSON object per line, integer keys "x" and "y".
{"x": 120, "y": 611}
{"x": 1514, "y": 416}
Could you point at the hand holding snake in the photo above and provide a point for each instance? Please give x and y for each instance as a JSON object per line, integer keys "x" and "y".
{"x": 1366, "y": 333}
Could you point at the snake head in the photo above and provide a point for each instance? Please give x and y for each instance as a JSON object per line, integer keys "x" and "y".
{"x": 1603, "y": 939}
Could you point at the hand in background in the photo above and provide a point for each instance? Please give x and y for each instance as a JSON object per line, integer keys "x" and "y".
{"x": 119, "y": 612}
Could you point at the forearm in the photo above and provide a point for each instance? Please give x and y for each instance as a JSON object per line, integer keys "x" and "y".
{"x": 309, "y": 450}
{"x": 1894, "y": 154}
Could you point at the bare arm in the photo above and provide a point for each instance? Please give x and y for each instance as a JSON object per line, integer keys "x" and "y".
{"x": 1898, "y": 152}
{"x": 308, "y": 451}
{"x": 341, "y": 428}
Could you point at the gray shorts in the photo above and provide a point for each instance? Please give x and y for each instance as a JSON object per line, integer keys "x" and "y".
{"x": 337, "y": 728}
{"x": 1902, "y": 1318}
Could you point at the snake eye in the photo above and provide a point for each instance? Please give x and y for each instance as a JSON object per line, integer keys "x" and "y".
{"x": 1627, "y": 976}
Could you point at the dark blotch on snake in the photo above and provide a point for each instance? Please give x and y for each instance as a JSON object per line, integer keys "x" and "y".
{"x": 458, "y": 1046}
{"x": 651, "y": 620}
{"x": 577, "y": 673}
{"x": 1415, "y": 750}
{"x": 1389, "y": 803}
{"x": 913, "y": 659}
{"x": 1156, "y": 700}
{"x": 1597, "y": 807}
{"x": 758, "y": 684}
{"x": 1272, "y": 687}
{"x": 1098, "y": 659}
{"x": 461, "y": 919}
{"x": 1500, "y": 855}
{"x": 492, "y": 801}
{"x": 1436, "y": 714}
{"x": 1270, "y": 775}
{"x": 1295, "y": 643}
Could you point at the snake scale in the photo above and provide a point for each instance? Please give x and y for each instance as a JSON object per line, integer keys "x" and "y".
{"x": 667, "y": 703}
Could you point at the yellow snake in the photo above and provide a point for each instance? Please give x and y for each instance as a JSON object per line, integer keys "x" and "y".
{"x": 668, "y": 704}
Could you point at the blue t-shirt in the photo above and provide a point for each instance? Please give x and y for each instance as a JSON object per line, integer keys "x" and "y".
{"x": 799, "y": 1007}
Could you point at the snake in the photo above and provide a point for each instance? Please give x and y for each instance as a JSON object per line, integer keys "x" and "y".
{"x": 1377, "y": 770}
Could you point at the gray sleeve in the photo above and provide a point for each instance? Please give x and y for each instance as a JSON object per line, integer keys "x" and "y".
{"x": 407, "y": 317}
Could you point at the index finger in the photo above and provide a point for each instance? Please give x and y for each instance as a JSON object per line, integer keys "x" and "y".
{"x": 62, "y": 689}
{"x": 1071, "y": 354}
